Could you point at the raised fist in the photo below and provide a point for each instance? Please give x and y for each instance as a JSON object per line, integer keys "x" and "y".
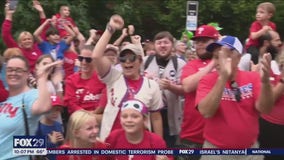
{"x": 131, "y": 30}
{"x": 136, "y": 39}
{"x": 116, "y": 21}
{"x": 124, "y": 32}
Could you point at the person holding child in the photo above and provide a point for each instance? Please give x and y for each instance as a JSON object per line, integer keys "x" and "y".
{"x": 63, "y": 17}
{"x": 264, "y": 13}
{"x": 53, "y": 45}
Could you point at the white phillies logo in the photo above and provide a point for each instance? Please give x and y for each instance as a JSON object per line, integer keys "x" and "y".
{"x": 91, "y": 97}
{"x": 53, "y": 98}
{"x": 200, "y": 30}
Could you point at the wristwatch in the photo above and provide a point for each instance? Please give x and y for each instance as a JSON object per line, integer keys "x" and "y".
{"x": 110, "y": 28}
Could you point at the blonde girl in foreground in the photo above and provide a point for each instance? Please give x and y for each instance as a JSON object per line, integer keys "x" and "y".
{"x": 82, "y": 132}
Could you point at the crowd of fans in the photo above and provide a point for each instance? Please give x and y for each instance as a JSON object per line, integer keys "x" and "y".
{"x": 204, "y": 90}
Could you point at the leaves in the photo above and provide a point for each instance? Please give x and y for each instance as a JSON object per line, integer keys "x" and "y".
{"x": 148, "y": 16}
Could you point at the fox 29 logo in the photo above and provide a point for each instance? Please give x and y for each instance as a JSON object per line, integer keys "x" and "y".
{"x": 29, "y": 142}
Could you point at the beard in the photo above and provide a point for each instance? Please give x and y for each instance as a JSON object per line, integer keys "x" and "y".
{"x": 272, "y": 50}
{"x": 206, "y": 56}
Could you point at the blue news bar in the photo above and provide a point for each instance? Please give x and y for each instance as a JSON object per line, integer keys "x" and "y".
{"x": 166, "y": 151}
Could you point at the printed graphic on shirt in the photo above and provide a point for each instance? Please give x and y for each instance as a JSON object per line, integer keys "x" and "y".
{"x": 112, "y": 97}
{"x": 86, "y": 96}
{"x": 34, "y": 53}
{"x": 172, "y": 77}
{"x": 8, "y": 109}
{"x": 68, "y": 60}
{"x": 62, "y": 21}
{"x": 246, "y": 93}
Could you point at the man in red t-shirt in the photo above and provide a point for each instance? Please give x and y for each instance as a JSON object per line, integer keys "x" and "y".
{"x": 193, "y": 123}
{"x": 230, "y": 100}
{"x": 259, "y": 27}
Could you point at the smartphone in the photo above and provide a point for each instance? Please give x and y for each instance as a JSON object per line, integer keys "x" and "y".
{"x": 13, "y": 4}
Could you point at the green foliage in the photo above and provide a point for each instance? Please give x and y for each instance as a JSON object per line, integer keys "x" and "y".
{"x": 148, "y": 16}
{"x": 26, "y": 18}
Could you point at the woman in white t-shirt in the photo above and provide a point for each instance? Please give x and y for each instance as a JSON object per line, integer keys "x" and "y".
{"x": 125, "y": 84}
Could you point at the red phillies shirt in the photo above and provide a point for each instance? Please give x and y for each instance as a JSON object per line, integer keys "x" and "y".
{"x": 31, "y": 54}
{"x": 117, "y": 140}
{"x": 235, "y": 124}
{"x": 255, "y": 27}
{"x": 83, "y": 93}
{"x": 193, "y": 122}
{"x": 133, "y": 87}
{"x": 59, "y": 24}
{"x": 4, "y": 94}
{"x": 276, "y": 115}
{"x": 69, "y": 62}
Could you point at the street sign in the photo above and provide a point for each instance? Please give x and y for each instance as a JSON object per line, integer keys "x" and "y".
{"x": 192, "y": 15}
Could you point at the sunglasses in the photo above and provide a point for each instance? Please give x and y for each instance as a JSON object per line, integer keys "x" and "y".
{"x": 134, "y": 104}
{"x": 87, "y": 59}
{"x": 236, "y": 90}
{"x": 130, "y": 58}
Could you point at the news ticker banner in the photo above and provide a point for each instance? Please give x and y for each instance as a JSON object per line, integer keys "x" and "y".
{"x": 36, "y": 145}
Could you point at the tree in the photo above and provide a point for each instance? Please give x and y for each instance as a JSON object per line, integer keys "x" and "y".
{"x": 148, "y": 16}
{"x": 26, "y": 17}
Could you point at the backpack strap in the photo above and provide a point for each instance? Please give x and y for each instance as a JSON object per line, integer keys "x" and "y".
{"x": 27, "y": 132}
{"x": 151, "y": 57}
{"x": 148, "y": 61}
{"x": 175, "y": 62}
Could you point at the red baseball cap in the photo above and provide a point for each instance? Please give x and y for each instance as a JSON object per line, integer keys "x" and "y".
{"x": 56, "y": 101}
{"x": 206, "y": 31}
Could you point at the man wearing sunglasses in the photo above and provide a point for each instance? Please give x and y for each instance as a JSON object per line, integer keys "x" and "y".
{"x": 125, "y": 84}
{"x": 230, "y": 100}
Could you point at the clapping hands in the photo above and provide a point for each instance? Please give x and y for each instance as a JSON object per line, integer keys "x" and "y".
{"x": 265, "y": 67}
{"x": 225, "y": 62}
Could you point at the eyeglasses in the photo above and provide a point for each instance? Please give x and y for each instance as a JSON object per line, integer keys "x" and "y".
{"x": 87, "y": 59}
{"x": 130, "y": 57}
{"x": 236, "y": 90}
{"x": 17, "y": 70}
